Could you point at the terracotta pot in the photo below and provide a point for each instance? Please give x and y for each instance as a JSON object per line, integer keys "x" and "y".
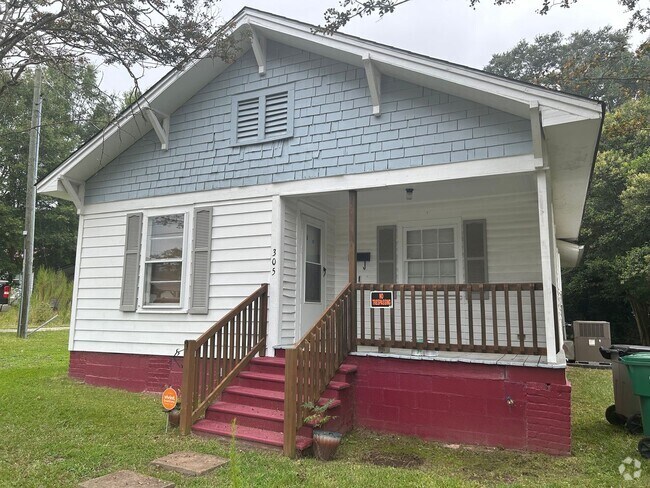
{"x": 174, "y": 417}
{"x": 326, "y": 444}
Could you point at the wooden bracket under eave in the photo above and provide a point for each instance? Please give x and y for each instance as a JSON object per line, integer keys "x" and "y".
{"x": 374, "y": 83}
{"x": 75, "y": 190}
{"x": 161, "y": 128}
{"x": 258, "y": 42}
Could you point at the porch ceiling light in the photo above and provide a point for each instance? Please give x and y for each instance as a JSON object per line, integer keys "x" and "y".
{"x": 409, "y": 193}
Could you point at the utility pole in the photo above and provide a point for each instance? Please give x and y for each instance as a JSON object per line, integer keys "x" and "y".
{"x": 30, "y": 205}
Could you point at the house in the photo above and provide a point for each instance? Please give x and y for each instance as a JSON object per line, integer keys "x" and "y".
{"x": 249, "y": 215}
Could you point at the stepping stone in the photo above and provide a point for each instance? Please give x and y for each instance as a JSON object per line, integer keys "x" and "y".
{"x": 126, "y": 479}
{"x": 189, "y": 463}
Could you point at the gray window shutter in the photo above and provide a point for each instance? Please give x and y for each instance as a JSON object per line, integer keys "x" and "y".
{"x": 200, "y": 278}
{"x": 476, "y": 264}
{"x": 386, "y": 254}
{"x": 131, "y": 268}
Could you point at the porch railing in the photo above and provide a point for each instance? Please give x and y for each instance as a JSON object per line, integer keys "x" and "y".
{"x": 313, "y": 361}
{"x": 213, "y": 360}
{"x": 490, "y": 317}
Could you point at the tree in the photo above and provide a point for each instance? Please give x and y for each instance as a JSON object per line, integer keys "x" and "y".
{"x": 597, "y": 64}
{"x": 613, "y": 281}
{"x": 73, "y": 110}
{"x": 125, "y": 33}
{"x": 337, "y": 18}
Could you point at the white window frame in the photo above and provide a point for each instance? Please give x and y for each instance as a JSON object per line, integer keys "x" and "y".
{"x": 261, "y": 97}
{"x": 182, "y": 306}
{"x": 456, "y": 224}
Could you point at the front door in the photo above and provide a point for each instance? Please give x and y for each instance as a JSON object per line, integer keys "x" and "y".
{"x": 312, "y": 289}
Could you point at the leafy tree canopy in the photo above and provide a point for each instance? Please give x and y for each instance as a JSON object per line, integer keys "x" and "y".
{"x": 124, "y": 33}
{"x": 73, "y": 110}
{"x": 337, "y": 17}
{"x": 597, "y": 64}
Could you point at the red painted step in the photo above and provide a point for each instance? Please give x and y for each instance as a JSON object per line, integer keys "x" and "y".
{"x": 250, "y": 434}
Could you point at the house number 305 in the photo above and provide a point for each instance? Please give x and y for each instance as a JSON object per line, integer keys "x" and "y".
{"x": 274, "y": 261}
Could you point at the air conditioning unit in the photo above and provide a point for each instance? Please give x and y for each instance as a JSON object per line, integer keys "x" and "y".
{"x": 588, "y": 337}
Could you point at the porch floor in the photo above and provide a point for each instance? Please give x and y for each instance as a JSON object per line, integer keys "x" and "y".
{"x": 527, "y": 360}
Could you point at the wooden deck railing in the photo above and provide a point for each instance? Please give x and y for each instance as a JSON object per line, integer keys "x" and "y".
{"x": 490, "y": 317}
{"x": 313, "y": 361}
{"x": 216, "y": 357}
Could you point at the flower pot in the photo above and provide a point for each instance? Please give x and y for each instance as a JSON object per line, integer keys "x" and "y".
{"x": 326, "y": 444}
{"x": 174, "y": 417}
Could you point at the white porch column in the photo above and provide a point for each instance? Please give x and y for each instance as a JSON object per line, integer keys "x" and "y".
{"x": 275, "y": 275}
{"x": 546, "y": 241}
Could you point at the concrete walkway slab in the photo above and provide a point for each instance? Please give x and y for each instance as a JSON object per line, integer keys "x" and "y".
{"x": 126, "y": 479}
{"x": 189, "y": 463}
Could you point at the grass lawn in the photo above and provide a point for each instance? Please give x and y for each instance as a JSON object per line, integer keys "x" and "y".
{"x": 58, "y": 432}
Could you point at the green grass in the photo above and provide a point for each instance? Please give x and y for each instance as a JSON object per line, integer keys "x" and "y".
{"x": 49, "y": 287}
{"x": 58, "y": 432}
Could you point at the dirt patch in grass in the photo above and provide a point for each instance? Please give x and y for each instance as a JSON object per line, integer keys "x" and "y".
{"x": 393, "y": 460}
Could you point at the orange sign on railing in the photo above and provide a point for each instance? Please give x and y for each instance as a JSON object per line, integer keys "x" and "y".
{"x": 381, "y": 299}
{"x": 169, "y": 399}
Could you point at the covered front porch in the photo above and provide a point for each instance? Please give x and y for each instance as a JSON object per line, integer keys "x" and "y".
{"x": 473, "y": 330}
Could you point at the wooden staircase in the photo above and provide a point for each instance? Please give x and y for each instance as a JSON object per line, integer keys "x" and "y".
{"x": 255, "y": 400}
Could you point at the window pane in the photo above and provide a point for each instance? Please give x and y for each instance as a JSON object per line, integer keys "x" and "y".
{"x": 312, "y": 283}
{"x": 447, "y": 279}
{"x": 413, "y": 237}
{"x": 413, "y": 252}
{"x": 429, "y": 236}
{"x": 386, "y": 244}
{"x": 446, "y": 235}
{"x": 448, "y": 268}
{"x": 474, "y": 236}
{"x": 476, "y": 271}
{"x": 415, "y": 269}
{"x": 166, "y": 248}
{"x": 167, "y": 292}
{"x": 165, "y": 271}
{"x": 429, "y": 251}
{"x": 313, "y": 245}
{"x": 432, "y": 268}
{"x": 166, "y": 225}
{"x": 446, "y": 250}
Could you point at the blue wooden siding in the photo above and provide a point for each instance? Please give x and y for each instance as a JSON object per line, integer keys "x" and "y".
{"x": 334, "y": 132}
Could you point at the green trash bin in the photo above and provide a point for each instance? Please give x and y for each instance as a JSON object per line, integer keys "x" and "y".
{"x": 638, "y": 366}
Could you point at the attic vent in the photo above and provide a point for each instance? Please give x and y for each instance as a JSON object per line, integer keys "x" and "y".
{"x": 275, "y": 114}
{"x": 248, "y": 114}
{"x": 262, "y": 116}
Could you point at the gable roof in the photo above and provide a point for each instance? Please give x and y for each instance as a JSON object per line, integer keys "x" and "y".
{"x": 570, "y": 123}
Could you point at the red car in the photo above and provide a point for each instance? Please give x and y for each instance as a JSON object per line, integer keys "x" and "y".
{"x": 6, "y": 292}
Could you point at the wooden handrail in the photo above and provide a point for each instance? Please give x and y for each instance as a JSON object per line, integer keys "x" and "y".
{"x": 312, "y": 362}
{"x": 471, "y": 317}
{"x": 213, "y": 360}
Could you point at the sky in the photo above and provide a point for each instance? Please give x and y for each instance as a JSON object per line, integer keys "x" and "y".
{"x": 443, "y": 29}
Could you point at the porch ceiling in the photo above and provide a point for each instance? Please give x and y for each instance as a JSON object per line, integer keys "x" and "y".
{"x": 432, "y": 191}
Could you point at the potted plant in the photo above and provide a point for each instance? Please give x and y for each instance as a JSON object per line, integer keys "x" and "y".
{"x": 325, "y": 443}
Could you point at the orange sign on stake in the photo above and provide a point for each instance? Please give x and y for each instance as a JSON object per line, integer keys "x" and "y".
{"x": 169, "y": 399}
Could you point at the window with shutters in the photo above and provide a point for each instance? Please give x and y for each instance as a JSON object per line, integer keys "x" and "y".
{"x": 262, "y": 116}
{"x": 163, "y": 265}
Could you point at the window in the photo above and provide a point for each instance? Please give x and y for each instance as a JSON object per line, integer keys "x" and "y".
{"x": 431, "y": 255}
{"x": 164, "y": 260}
{"x": 313, "y": 264}
{"x": 262, "y": 116}
{"x": 158, "y": 270}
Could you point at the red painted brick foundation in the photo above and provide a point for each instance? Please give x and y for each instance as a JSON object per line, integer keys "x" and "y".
{"x": 450, "y": 402}
{"x": 465, "y": 403}
{"x": 130, "y": 372}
